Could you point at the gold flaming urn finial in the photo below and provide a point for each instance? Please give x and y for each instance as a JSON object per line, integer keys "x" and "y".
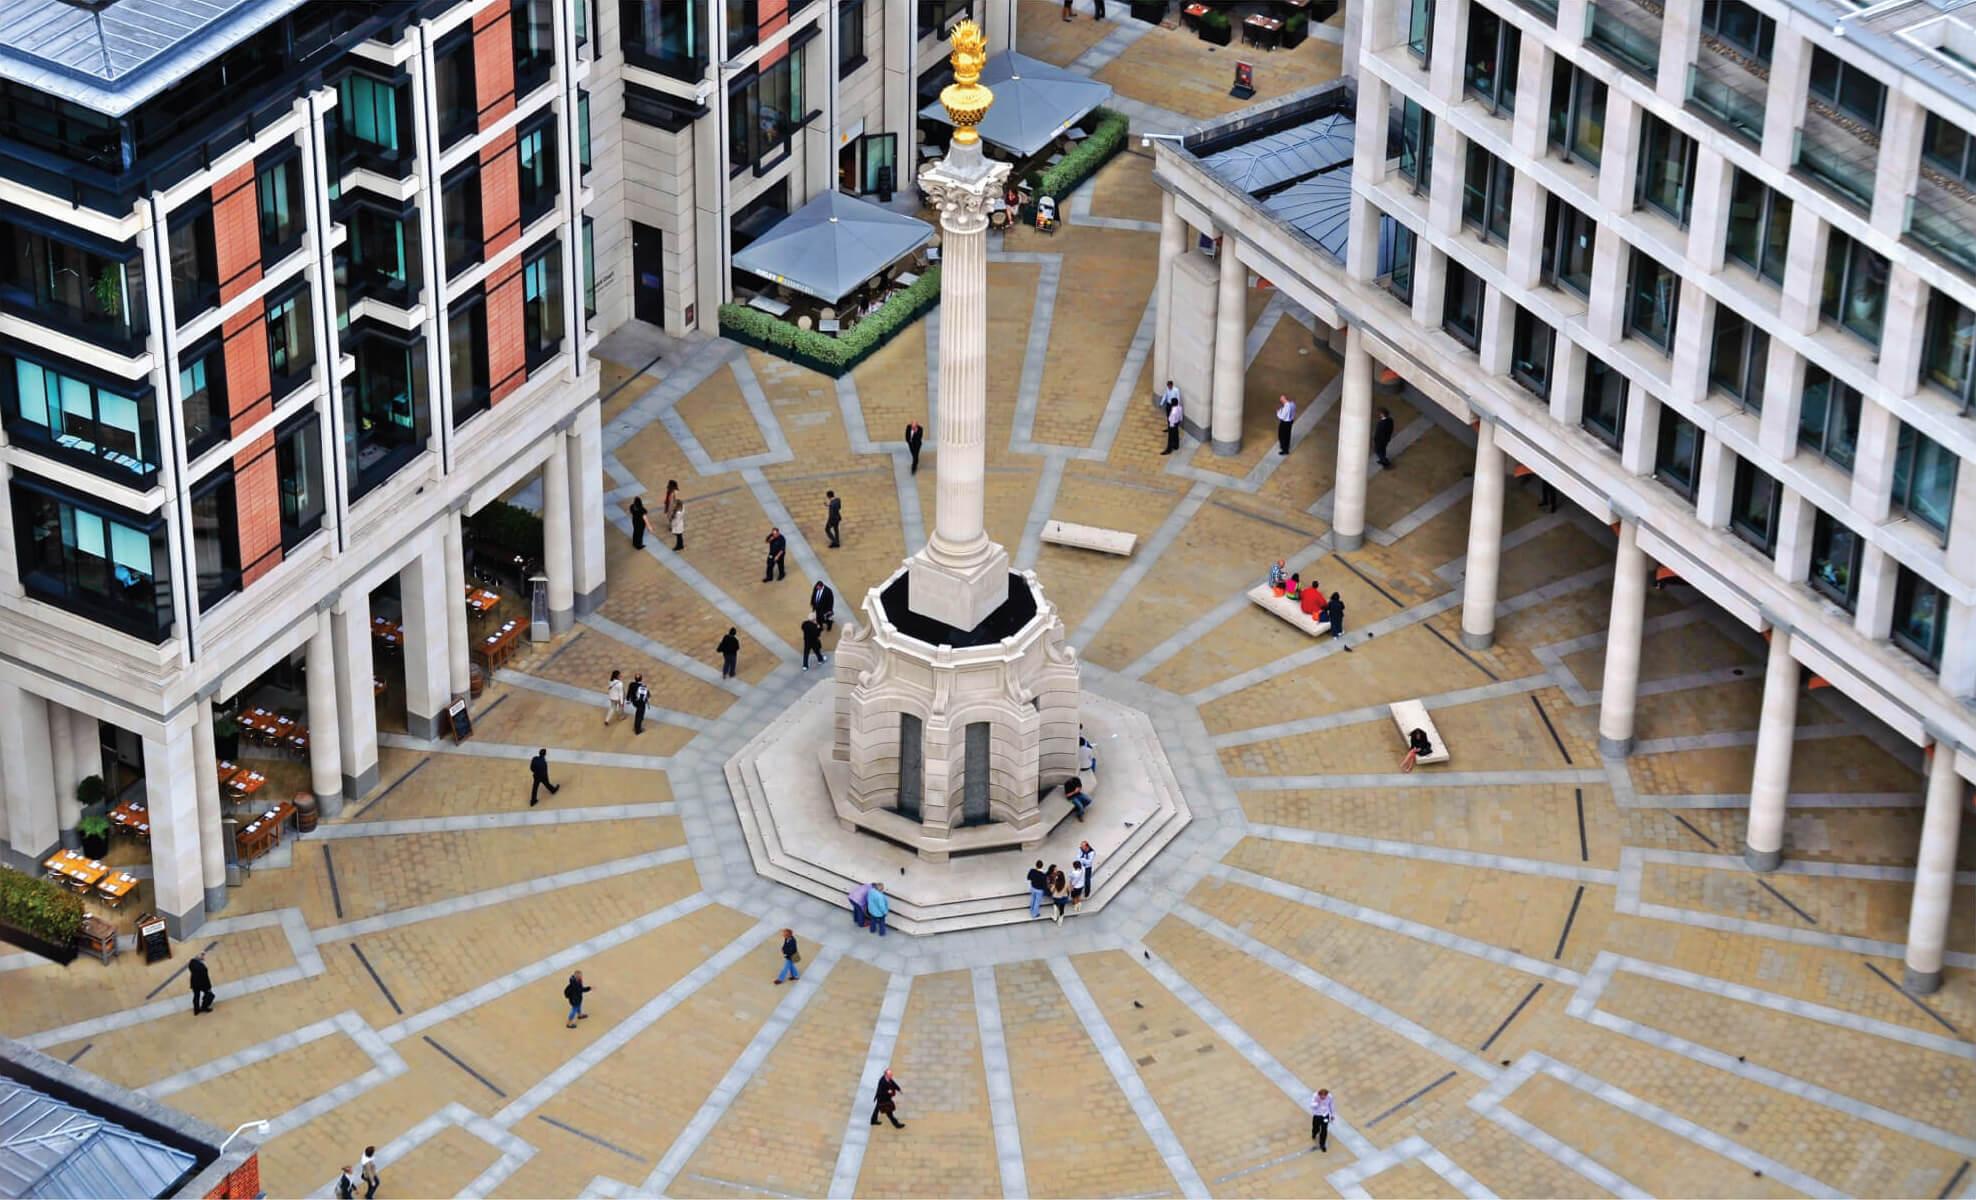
{"x": 965, "y": 100}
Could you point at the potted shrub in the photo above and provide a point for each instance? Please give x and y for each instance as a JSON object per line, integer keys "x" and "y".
{"x": 226, "y": 736}
{"x": 1150, "y": 11}
{"x": 1296, "y": 27}
{"x": 92, "y": 791}
{"x": 95, "y": 831}
{"x": 39, "y": 916}
{"x": 1215, "y": 27}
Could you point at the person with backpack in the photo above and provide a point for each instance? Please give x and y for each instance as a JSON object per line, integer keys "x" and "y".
{"x": 346, "y": 1187}
{"x": 640, "y": 696}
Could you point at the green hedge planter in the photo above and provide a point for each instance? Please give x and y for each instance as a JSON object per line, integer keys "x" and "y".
{"x": 1107, "y": 136}
{"x": 820, "y": 352}
{"x": 38, "y": 915}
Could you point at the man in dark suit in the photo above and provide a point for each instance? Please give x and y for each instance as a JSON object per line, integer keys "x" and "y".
{"x": 538, "y": 768}
{"x": 886, "y": 1101}
{"x": 833, "y": 518}
{"x": 640, "y": 696}
{"x": 202, "y": 984}
{"x": 823, "y": 602}
{"x": 812, "y": 642}
{"x": 915, "y": 434}
{"x": 778, "y": 551}
{"x": 1382, "y": 437}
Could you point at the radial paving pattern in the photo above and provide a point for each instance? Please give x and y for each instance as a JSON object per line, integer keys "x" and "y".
{"x": 1528, "y": 972}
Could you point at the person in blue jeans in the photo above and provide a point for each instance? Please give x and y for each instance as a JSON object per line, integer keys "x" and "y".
{"x": 789, "y": 970}
{"x": 1039, "y": 887}
{"x": 573, "y": 993}
{"x": 876, "y": 908}
{"x": 857, "y": 896}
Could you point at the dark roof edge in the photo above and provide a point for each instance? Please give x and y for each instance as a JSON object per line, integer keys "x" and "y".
{"x": 1314, "y": 98}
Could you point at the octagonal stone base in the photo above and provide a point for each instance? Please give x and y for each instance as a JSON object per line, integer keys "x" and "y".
{"x": 790, "y": 818}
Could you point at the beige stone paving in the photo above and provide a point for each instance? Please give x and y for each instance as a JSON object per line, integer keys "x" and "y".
{"x": 529, "y": 718}
{"x": 1841, "y": 764}
{"x": 1174, "y": 69}
{"x": 949, "y": 1149}
{"x": 1387, "y": 669}
{"x": 720, "y": 419}
{"x": 458, "y": 785}
{"x": 874, "y": 543}
{"x": 1682, "y": 650}
{"x": 1288, "y": 364}
{"x": 892, "y": 390}
{"x": 443, "y": 1166}
{"x": 46, "y": 996}
{"x": 1106, "y": 281}
{"x": 1490, "y": 735}
{"x": 1079, "y": 1135}
{"x": 1504, "y": 1163}
{"x": 1075, "y": 579}
{"x": 651, "y": 599}
{"x": 1041, "y": 31}
{"x": 1870, "y": 908}
{"x": 589, "y": 655}
{"x": 277, "y": 1084}
{"x": 1409, "y": 1181}
{"x": 1528, "y": 821}
{"x": 1125, "y": 188}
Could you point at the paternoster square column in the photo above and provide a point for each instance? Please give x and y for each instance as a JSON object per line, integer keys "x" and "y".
{"x": 959, "y": 577}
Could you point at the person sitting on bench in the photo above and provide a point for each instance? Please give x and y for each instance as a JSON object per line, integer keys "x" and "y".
{"x": 1073, "y": 791}
{"x": 1295, "y": 588}
{"x": 1277, "y": 575}
{"x": 1312, "y": 601}
{"x": 1418, "y": 747}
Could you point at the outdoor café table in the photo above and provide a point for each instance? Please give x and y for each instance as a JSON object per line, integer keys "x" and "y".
{"x": 115, "y": 886}
{"x": 246, "y": 782}
{"x": 128, "y": 816}
{"x": 1259, "y": 30}
{"x": 276, "y": 817}
{"x": 480, "y": 601}
{"x": 769, "y": 305}
{"x": 71, "y": 865}
{"x": 496, "y": 647}
{"x": 227, "y": 771}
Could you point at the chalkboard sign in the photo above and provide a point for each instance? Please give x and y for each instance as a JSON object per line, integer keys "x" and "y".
{"x": 461, "y": 720}
{"x": 886, "y": 184}
{"x": 1245, "y": 81}
{"x": 151, "y": 935}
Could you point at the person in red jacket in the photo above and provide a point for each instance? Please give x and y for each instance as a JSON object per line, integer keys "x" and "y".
{"x": 1313, "y": 601}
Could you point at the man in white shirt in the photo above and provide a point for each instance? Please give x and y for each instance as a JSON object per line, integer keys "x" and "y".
{"x": 1321, "y": 1113}
{"x": 1171, "y": 396}
{"x": 1286, "y": 416}
{"x": 1173, "y": 416}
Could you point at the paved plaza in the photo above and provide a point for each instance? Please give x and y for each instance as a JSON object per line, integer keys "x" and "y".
{"x": 1529, "y": 971}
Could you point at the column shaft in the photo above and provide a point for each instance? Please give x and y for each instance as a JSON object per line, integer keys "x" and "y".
{"x": 1934, "y": 873}
{"x": 1770, "y": 783}
{"x": 557, "y": 551}
{"x": 212, "y": 834}
{"x": 459, "y": 668}
{"x": 425, "y": 602}
{"x": 325, "y": 741}
{"x": 1354, "y": 445}
{"x": 586, "y": 501}
{"x": 1620, "y": 691}
{"x": 1173, "y": 243}
{"x": 32, "y": 829}
{"x": 1485, "y": 543}
{"x": 356, "y": 703}
{"x": 61, "y": 756}
{"x": 1231, "y": 358}
{"x": 963, "y": 433}
{"x": 178, "y": 875}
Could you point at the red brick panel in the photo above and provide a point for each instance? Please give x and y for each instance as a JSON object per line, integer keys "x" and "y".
{"x": 493, "y": 63}
{"x": 500, "y": 194}
{"x": 770, "y": 17}
{"x": 236, "y": 232}
{"x": 507, "y": 362}
{"x": 257, "y": 499}
{"x": 248, "y": 383}
{"x": 244, "y": 1183}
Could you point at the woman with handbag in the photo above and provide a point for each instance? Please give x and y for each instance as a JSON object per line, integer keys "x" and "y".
{"x": 790, "y": 957}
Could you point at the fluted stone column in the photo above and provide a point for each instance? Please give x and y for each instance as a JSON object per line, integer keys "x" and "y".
{"x": 1620, "y": 692}
{"x": 178, "y": 876}
{"x": 61, "y": 754}
{"x": 1354, "y": 445}
{"x": 558, "y": 554}
{"x": 351, "y": 672}
{"x": 1770, "y": 783}
{"x": 1485, "y": 543}
{"x": 1231, "y": 357}
{"x": 325, "y": 742}
{"x": 459, "y": 667}
{"x": 1934, "y": 873}
{"x": 960, "y": 576}
{"x": 1173, "y": 244}
{"x": 212, "y": 833}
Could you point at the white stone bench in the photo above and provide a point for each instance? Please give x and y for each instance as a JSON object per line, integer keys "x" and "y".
{"x": 1410, "y": 715}
{"x": 1090, "y": 537}
{"x": 1265, "y": 598}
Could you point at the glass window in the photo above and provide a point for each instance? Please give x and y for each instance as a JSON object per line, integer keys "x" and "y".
{"x": 542, "y": 305}
{"x": 1855, "y": 287}
{"x": 1487, "y": 185}
{"x": 58, "y": 412}
{"x": 1741, "y": 26}
{"x": 291, "y": 342}
{"x": 583, "y": 132}
{"x": 589, "y": 270}
{"x": 1946, "y": 146}
{"x": 1461, "y": 306}
{"x": 1753, "y": 506}
{"x": 743, "y": 25}
{"x": 384, "y": 412}
{"x": 1531, "y": 352}
{"x": 298, "y": 468}
{"x": 383, "y": 255}
{"x": 215, "y": 539}
{"x": 459, "y": 206}
{"x": 1835, "y": 555}
{"x": 1420, "y": 29}
{"x": 1489, "y": 70}
{"x": 1924, "y": 479}
{"x": 466, "y": 349}
{"x": 1667, "y": 170}
{"x": 1653, "y": 298}
{"x": 195, "y": 265}
{"x": 1578, "y": 104}
{"x": 850, "y": 36}
{"x": 531, "y": 26}
{"x": 1851, "y": 90}
{"x": 202, "y": 390}
{"x": 764, "y": 111}
{"x": 1399, "y": 276}
{"x": 373, "y": 123}
{"x": 1759, "y": 226}
{"x": 1739, "y": 357}
{"x": 536, "y": 158}
{"x": 93, "y": 560}
{"x": 54, "y": 282}
{"x": 459, "y": 104}
{"x": 1828, "y": 418}
{"x": 1569, "y": 240}
{"x": 1920, "y": 617}
{"x": 669, "y": 36}
{"x": 1605, "y": 403}
{"x": 1678, "y": 457}
{"x": 1416, "y": 145}
{"x": 280, "y": 189}
{"x": 1946, "y": 358}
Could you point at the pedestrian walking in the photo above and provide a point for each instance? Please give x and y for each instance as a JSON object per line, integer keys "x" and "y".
{"x": 778, "y": 553}
{"x": 812, "y": 641}
{"x": 538, "y": 770}
{"x": 573, "y": 992}
{"x": 1334, "y": 614}
{"x": 833, "y": 518}
{"x": 858, "y": 895}
{"x": 1099, "y": 7}
{"x": 730, "y": 649}
{"x": 790, "y": 956}
{"x": 823, "y": 602}
{"x": 1079, "y": 881}
{"x": 202, "y": 984}
{"x": 1039, "y": 887}
{"x": 1321, "y": 1112}
{"x": 346, "y": 1187}
{"x": 672, "y": 500}
{"x": 1286, "y": 418}
{"x": 1066, "y": 16}
{"x": 915, "y": 436}
{"x": 614, "y": 698}
{"x": 1174, "y": 413}
{"x": 887, "y": 1098}
{"x": 678, "y": 526}
{"x": 877, "y": 907}
{"x": 640, "y": 696}
{"x": 641, "y": 524}
{"x": 1382, "y": 437}
{"x": 367, "y": 1170}
{"x": 1059, "y": 891}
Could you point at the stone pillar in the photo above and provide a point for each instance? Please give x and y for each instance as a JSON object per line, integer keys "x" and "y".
{"x": 1620, "y": 691}
{"x": 356, "y": 701}
{"x": 558, "y": 555}
{"x": 1770, "y": 784}
{"x": 1485, "y": 542}
{"x": 1354, "y": 445}
{"x": 212, "y": 834}
{"x": 32, "y": 828}
{"x": 586, "y": 504}
{"x": 1173, "y": 244}
{"x": 960, "y": 576}
{"x": 1934, "y": 873}
{"x": 325, "y": 743}
{"x": 426, "y": 602}
{"x": 459, "y": 666}
{"x": 1231, "y": 358}
{"x": 61, "y": 761}
{"x": 178, "y": 873}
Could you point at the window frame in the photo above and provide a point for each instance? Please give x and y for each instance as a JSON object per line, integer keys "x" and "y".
{"x": 1602, "y": 380}
{"x": 294, "y": 298}
{"x": 1500, "y": 99}
{"x": 209, "y": 355}
{"x": 1748, "y": 477}
{"x": 1470, "y": 284}
{"x": 1817, "y": 435}
{"x": 458, "y": 122}
{"x": 1908, "y": 585}
{"x": 83, "y": 443}
{"x": 850, "y": 21}
{"x": 1557, "y": 232}
{"x": 1660, "y": 145}
{"x": 1845, "y": 262}
{"x": 1824, "y": 528}
{"x": 1909, "y": 447}
{"x": 537, "y": 198}
{"x": 1667, "y": 287}
{"x": 1420, "y": 151}
{"x": 218, "y": 488}
{"x": 466, "y": 235}
{"x": 544, "y": 270}
{"x": 1760, "y": 49}
{"x": 1529, "y": 329}
{"x": 1581, "y": 90}
{"x": 1487, "y": 209}
{"x": 1843, "y": 76}
{"x": 1744, "y": 379}
{"x": 1937, "y": 335}
{"x": 477, "y": 393}
{"x": 1666, "y": 454}
{"x": 1772, "y": 252}
{"x": 1399, "y": 279}
{"x": 150, "y": 621}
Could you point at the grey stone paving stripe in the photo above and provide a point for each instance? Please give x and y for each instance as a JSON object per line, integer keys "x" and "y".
{"x": 1725, "y": 739}
{"x": 1565, "y": 1156}
{"x": 1437, "y": 854}
{"x": 1415, "y": 1096}
{"x": 593, "y": 699}
{"x": 453, "y": 1116}
{"x": 1426, "y": 777}
{"x": 513, "y": 753}
{"x": 1514, "y": 1013}
{"x": 705, "y": 672}
{"x": 912, "y": 521}
{"x": 1910, "y": 997}
{"x": 742, "y": 1187}
{"x": 527, "y": 818}
{"x": 744, "y": 1068}
{"x": 588, "y": 1137}
{"x": 1406, "y": 436}
{"x": 1125, "y": 385}
{"x": 681, "y": 565}
{"x": 1379, "y": 712}
{"x": 850, "y": 409}
{"x": 1125, "y": 30}
{"x": 1040, "y": 508}
{"x": 1435, "y": 505}
{"x": 247, "y": 1057}
{"x": 1219, "y": 615}
{"x": 878, "y": 1059}
{"x": 1126, "y": 1076}
{"x": 689, "y": 371}
{"x": 377, "y": 979}
{"x": 1036, "y": 349}
{"x": 1798, "y": 800}
{"x": 1001, "y": 1084}
{"x": 462, "y": 1064}
{"x": 1144, "y": 558}
{"x": 1348, "y": 1181}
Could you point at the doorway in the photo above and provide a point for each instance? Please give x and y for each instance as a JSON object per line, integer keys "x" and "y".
{"x": 912, "y": 765}
{"x": 648, "y": 292}
{"x": 880, "y": 151}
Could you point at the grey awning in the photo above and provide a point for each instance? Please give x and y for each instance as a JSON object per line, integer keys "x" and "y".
{"x": 1290, "y": 154}
{"x": 1319, "y": 208}
{"x": 51, "y": 1150}
{"x": 832, "y": 244}
{"x": 1034, "y": 102}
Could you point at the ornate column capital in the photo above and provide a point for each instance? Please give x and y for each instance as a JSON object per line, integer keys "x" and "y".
{"x": 963, "y": 199}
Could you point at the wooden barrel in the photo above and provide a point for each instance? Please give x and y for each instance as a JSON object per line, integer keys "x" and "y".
{"x": 305, "y": 812}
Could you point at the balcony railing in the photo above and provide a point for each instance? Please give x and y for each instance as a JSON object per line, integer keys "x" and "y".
{"x": 1626, "y": 31}
{"x": 1836, "y": 157}
{"x": 1941, "y": 217}
{"x": 1546, "y": 9}
{"x": 1728, "y": 95}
